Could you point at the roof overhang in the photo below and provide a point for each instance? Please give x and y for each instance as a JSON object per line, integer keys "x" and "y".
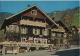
{"x": 10, "y": 18}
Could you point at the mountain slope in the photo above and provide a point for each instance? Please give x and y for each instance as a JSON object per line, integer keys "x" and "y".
{"x": 70, "y": 17}
{"x": 4, "y": 15}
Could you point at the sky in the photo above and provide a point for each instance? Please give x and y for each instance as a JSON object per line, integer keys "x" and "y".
{"x": 47, "y": 6}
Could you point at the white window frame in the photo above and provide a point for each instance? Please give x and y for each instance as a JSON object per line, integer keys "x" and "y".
{"x": 36, "y": 31}
{"x": 35, "y": 12}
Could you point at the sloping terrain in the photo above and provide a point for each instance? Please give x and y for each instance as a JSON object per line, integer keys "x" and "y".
{"x": 70, "y": 17}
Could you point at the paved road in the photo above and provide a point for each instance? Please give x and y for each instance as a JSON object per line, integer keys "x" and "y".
{"x": 33, "y": 53}
{"x": 62, "y": 52}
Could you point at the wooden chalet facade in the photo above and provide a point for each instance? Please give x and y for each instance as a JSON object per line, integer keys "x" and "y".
{"x": 30, "y": 26}
{"x": 61, "y": 36}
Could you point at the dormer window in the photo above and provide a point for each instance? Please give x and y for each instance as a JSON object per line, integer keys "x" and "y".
{"x": 34, "y": 12}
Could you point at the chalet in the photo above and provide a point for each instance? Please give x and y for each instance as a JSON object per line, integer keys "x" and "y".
{"x": 33, "y": 26}
{"x": 27, "y": 28}
{"x": 30, "y": 25}
{"x": 61, "y": 36}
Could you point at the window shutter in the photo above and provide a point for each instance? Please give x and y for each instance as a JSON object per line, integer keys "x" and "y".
{"x": 33, "y": 31}
{"x": 38, "y": 31}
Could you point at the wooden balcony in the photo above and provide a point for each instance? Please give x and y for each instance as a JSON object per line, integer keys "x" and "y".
{"x": 33, "y": 23}
{"x": 60, "y": 29}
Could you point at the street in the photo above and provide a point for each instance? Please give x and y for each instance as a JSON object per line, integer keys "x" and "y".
{"x": 33, "y": 53}
{"x": 61, "y": 52}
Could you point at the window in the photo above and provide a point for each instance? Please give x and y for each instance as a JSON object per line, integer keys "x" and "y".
{"x": 53, "y": 34}
{"x": 59, "y": 35}
{"x": 45, "y": 32}
{"x": 17, "y": 28}
{"x": 23, "y": 30}
{"x": 33, "y": 31}
{"x": 39, "y": 41}
{"x": 65, "y": 35}
{"x": 45, "y": 41}
{"x": 36, "y": 31}
{"x": 73, "y": 28}
{"x": 34, "y": 12}
{"x": 13, "y": 28}
{"x": 23, "y": 39}
{"x": 61, "y": 41}
{"x": 70, "y": 35}
{"x": 7, "y": 28}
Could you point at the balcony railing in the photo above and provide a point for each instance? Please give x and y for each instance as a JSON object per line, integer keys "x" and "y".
{"x": 59, "y": 29}
{"x": 32, "y": 23}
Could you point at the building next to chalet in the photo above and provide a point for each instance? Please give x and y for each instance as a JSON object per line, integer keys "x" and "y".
{"x": 61, "y": 36}
{"x": 33, "y": 26}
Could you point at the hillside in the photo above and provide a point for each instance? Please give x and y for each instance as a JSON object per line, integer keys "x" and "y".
{"x": 70, "y": 17}
{"x": 4, "y": 15}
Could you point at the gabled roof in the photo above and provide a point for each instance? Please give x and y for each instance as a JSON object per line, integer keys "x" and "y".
{"x": 26, "y": 10}
{"x": 64, "y": 26}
